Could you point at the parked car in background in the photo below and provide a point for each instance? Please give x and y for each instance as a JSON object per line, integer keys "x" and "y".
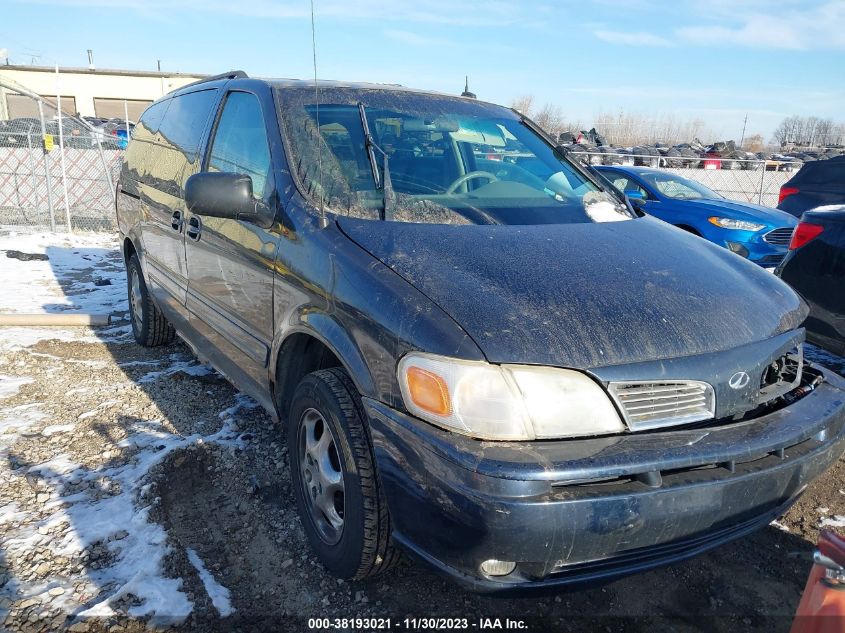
{"x": 817, "y": 183}
{"x": 20, "y": 132}
{"x": 815, "y": 267}
{"x": 757, "y": 233}
{"x": 505, "y": 371}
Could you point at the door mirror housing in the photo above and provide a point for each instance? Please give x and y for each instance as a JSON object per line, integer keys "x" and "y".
{"x": 636, "y": 198}
{"x": 225, "y": 195}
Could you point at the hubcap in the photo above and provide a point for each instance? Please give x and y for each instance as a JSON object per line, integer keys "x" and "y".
{"x": 321, "y": 474}
{"x": 135, "y": 300}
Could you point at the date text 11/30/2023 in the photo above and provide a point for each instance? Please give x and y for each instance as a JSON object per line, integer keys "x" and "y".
{"x": 417, "y": 624}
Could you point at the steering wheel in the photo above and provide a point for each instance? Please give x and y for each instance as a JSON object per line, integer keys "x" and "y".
{"x": 467, "y": 177}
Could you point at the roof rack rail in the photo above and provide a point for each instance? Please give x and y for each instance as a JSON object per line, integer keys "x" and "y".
{"x": 232, "y": 74}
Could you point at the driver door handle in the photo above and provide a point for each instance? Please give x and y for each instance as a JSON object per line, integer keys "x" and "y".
{"x": 176, "y": 221}
{"x": 194, "y": 228}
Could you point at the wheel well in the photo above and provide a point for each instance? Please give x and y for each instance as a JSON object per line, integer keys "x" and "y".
{"x": 128, "y": 250}
{"x": 299, "y": 355}
{"x": 688, "y": 229}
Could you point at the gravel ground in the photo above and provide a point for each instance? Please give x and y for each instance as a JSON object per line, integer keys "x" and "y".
{"x": 139, "y": 490}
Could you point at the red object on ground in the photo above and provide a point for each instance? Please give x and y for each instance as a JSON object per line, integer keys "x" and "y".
{"x": 822, "y": 606}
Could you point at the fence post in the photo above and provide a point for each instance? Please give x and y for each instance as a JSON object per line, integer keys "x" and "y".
{"x": 762, "y": 183}
{"x": 47, "y": 169}
{"x": 34, "y": 182}
{"x": 62, "y": 150}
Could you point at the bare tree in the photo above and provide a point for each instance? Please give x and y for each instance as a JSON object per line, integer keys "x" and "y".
{"x": 550, "y": 118}
{"x": 809, "y": 131}
{"x": 524, "y": 104}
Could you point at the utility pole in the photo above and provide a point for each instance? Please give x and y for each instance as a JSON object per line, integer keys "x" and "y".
{"x": 744, "y": 123}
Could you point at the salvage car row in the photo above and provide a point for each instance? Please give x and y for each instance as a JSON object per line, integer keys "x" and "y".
{"x": 592, "y": 148}
{"x": 501, "y": 367}
{"x": 84, "y": 133}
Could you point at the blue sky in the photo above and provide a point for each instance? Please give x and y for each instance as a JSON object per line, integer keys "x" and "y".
{"x": 712, "y": 59}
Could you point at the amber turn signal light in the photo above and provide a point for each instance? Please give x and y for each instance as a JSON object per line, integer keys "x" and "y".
{"x": 428, "y": 391}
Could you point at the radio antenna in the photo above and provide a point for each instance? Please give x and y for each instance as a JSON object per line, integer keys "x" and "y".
{"x": 323, "y": 222}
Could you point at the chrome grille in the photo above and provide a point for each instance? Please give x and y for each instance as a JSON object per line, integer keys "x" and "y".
{"x": 650, "y": 405}
{"x": 779, "y": 237}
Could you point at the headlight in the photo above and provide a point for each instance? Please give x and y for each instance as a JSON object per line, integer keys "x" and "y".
{"x": 505, "y": 402}
{"x": 740, "y": 225}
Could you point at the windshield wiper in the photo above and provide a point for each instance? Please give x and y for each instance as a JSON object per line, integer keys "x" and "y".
{"x": 386, "y": 186}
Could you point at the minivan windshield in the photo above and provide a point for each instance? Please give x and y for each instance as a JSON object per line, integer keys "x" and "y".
{"x": 449, "y": 160}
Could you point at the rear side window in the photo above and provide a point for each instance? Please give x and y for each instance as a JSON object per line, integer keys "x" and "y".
{"x": 143, "y": 136}
{"x": 185, "y": 121}
{"x": 240, "y": 143}
{"x": 167, "y": 140}
{"x": 823, "y": 172}
{"x": 151, "y": 120}
{"x": 178, "y": 140}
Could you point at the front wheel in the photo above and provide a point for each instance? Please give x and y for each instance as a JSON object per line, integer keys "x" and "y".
{"x": 338, "y": 495}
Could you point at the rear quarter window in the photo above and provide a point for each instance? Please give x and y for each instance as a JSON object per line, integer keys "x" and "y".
{"x": 170, "y": 143}
{"x": 143, "y": 136}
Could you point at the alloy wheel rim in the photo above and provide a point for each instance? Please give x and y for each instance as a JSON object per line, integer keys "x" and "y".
{"x": 135, "y": 301}
{"x": 321, "y": 475}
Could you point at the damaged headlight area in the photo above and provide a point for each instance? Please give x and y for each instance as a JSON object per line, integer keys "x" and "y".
{"x": 505, "y": 402}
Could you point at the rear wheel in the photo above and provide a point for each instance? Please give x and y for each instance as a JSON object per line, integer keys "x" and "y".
{"x": 149, "y": 326}
{"x": 338, "y": 495}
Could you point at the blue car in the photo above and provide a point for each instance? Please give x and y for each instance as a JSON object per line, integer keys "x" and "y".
{"x": 757, "y": 233}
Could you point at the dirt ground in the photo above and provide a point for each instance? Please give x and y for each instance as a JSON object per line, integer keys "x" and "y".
{"x": 232, "y": 505}
{"x": 139, "y": 490}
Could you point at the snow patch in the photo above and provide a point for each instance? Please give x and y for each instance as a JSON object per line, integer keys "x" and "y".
{"x": 9, "y": 385}
{"x": 113, "y": 512}
{"x": 54, "y": 429}
{"x": 836, "y": 521}
{"x": 189, "y": 367}
{"x": 14, "y": 420}
{"x": 84, "y": 274}
{"x": 11, "y": 513}
{"x": 220, "y": 596}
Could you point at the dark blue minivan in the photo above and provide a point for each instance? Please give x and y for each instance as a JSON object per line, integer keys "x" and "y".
{"x": 510, "y": 374}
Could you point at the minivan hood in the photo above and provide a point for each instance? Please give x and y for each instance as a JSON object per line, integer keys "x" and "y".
{"x": 585, "y": 295}
{"x": 744, "y": 211}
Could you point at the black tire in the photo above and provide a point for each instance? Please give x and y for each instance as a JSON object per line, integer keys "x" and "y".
{"x": 149, "y": 326}
{"x": 364, "y": 547}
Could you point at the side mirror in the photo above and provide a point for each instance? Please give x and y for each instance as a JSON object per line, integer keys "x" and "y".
{"x": 224, "y": 195}
{"x": 636, "y": 198}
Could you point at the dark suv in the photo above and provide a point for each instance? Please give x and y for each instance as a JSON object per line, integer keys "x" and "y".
{"x": 817, "y": 184}
{"x": 505, "y": 372}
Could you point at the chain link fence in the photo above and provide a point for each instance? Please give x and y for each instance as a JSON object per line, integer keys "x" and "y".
{"x": 757, "y": 181}
{"x": 59, "y": 173}
{"x": 56, "y": 172}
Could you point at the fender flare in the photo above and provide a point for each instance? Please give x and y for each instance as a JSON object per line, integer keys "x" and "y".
{"x": 326, "y": 329}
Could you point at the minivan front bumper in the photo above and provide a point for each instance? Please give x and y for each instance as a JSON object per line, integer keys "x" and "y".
{"x": 588, "y": 510}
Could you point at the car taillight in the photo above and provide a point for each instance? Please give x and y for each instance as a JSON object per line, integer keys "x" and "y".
{"x": 786, "y": 191}
{"x": 804, "y": 232}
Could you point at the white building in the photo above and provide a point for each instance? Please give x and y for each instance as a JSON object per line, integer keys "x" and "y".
{"x": 100, "y": 92}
